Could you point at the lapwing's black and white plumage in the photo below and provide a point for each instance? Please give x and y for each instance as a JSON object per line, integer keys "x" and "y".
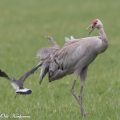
{"x": 18, "y": 84}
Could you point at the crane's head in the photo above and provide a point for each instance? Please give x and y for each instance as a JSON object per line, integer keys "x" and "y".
{"x": 96, "y": 23}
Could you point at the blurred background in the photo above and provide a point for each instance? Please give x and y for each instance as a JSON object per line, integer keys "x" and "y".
{"x": 23, "y": 27}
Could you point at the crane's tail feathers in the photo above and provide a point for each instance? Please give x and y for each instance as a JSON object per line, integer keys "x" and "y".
{"x": 44, "y": 53}
{"x": 43, "y": 72}
{"x": 3, "y": 74}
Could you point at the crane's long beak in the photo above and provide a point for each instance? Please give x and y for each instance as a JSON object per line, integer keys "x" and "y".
{"x": 90, "y": 28}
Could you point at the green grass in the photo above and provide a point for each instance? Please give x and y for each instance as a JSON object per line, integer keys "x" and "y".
{"x": 23, "y": 26}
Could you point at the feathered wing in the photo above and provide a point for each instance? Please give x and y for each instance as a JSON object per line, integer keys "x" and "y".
{"x": 46, "y": 56}
{"x": 30, "y": 72}
{"x": 3, "y": 74}
{"x": 73, "y": 57}
{"x": 60, "y": 60}
{"x": 68, "y": 54}
{"x": 66, "y": 58}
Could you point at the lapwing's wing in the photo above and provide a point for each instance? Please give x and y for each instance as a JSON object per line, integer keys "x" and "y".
{"x": 27, "y": 74}
{"x": 3, "y": 74}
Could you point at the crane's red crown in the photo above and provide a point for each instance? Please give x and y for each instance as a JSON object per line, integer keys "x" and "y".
{"x": 94, "y": 22}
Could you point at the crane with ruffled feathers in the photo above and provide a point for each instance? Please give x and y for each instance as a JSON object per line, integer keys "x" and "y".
{"x": 73, "y": 58}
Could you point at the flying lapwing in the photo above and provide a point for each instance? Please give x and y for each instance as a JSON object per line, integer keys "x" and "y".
{"x": 18, "y": 84}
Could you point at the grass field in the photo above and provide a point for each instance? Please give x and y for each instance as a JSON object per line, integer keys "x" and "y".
{"x": 23, "y": 27}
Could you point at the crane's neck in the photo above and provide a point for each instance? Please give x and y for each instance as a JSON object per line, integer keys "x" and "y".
{"x": 103, "y": 37}
{"x": 102, "y": 34}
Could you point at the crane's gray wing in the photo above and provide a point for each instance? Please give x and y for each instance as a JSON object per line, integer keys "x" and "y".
{"x": 46, "y": 56}
{"x": 27, "y": 74}
{"x": 69, "y": 55}
{"x": 3, "y": 74}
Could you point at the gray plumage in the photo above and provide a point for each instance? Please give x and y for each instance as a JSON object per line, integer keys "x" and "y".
{"x": 46, "y": 56}
{"x": 75, "y": 57}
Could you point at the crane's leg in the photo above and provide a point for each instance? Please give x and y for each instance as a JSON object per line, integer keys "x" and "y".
{"x": 73, "y": 92}
{"x": 79, "y": 98}
{"x": 83, "y": 75}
